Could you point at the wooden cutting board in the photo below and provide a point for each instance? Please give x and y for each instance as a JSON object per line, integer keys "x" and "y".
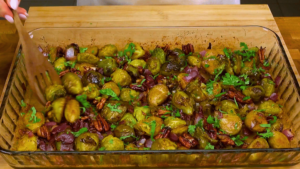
{"x": 177, "y": 15}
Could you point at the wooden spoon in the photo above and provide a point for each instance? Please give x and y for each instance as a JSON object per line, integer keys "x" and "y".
{"x": 40, "y": 72}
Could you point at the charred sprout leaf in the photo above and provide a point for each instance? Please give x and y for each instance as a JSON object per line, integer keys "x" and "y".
{"x": 23, "y": 104}
{"x": 265, "y": 125}
{"x": 191, "y": 129}
{"x": 209, "y": 147}
{"x": 81, "y": 131}
{"x": 82, "y": 50}
{"x": 101, "y": 148}
{"x": 109, "y": 92}
{"x": 113, "y": 126}
{"x": 268, "y": 134}
{"x": 274, "y": 120}
{"x": 83, "y": 101}
{"x": 246, "y": 98}
{"x": 153, "y": 125}
{"x": 238, "y": 141}
{"x": 214, "y": 121}
{"x": 114, "y": 107}
{"x": 220, "y": 94}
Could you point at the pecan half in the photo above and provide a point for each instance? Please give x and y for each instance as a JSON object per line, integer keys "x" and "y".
{"x": 239, "y": 96}
{"x": 188, "y": 141}
{"x": 101, "y": 103}
{"x": 261, "y": 54}
{"x": 100, "y": 124}
{"x": 43, "y": 132}
{"x": 164, "y": 133}
{"x": 73, "y": 70}
{"x": 188, "y": 48}
{"x": 226, "y": 139}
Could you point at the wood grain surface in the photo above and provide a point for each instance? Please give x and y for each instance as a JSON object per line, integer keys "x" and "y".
{"x": 124, "y": 16}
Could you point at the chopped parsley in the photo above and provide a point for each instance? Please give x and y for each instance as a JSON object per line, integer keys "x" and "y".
{"x": 200, "y": 123}
{"x": 23, "y": 104}
{"x": 58, "y": 70}
{"x": 267, "y": 134}
{"x": 33, "y": 116}
{"x": 22, "y": 114}
{"x": 206, "y": 65}
{"x": 125, "y": 137}
{"x": 266, "y": 63}
{"x": 154, "y": 77}
{"x": 109, "y": 92}
{"x": 81, "y": 131}
{"x": 146, "y": 148}
{"x": 274, "y": 120}
{"x": 246, "y": 98}
{"x": 113, "y": 126}
{"x": 101, "y": 148}
{"x": 235, "y": 126}
{"x": 114, "y": 107}
{"x": 152, "y": 131}
{"x": 70, "y": 64}
{"x": 111, "y": 141}
{"x": 227, "y": 52}
{"x": 83, "y": 109}
{"x": 174, "y": 77}
{"x": 220, "y": 94}
{"x": 209, "y": 147}
{"x": 238, "y": 141}
{"x": 162, "y": 126}
{"x": 232, "y": 80}
{"x": 265, "y": 125}
{"x": 177, "y": 114}
{"x": 140, "y": 85}
{"x": 235, "y": 102}
{"x": 82, "y": 50}
{"x": 260, "y": 110}
{"x": 214, "y": 121}
{"x": 83, "y": 101}
{"x": 191, "y": 129}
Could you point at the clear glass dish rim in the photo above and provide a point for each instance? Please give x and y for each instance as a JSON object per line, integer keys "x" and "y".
{"x": 138, "y": 152}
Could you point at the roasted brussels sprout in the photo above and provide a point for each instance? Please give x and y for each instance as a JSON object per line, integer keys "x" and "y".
{"x": 182, "y": 101}
{"x": 58, "y": 107}
{"x": 255, "y": 92}
{"x": 109, "y": 66}
{"x": 157, "y": 95}
{"x": 153, "y": 64}
{"x": 72, "y": 83}
{"x": 169, "y": 68}
{"x": 91, "y": 91}
{"x": 108, "y": 50}
{"x": 163, "y": 144}
{"x": 87, "y": 142}
{"x": 227, "y": 106}
{"x": 237, "y": 64}
{"x": 141, "y": 112}
{"x": 277, "y": 126}
{"x": 72, "y": 110}
{"x": 87, "y": 58}
{"x": 217, "y": 88}
{"x": 113, "y": 111}
{"x": 146, "y": 125}
{"x": 270, "y": 108}
{"x": 195, "y": 60}
{"x": 113, "y": 86}
{"x": 121, "y": 77}
{"x": 196, "y": 91}
{"x": 54, "y": 91}
{"x": 138, "y": 63}
{"x": 133, "y": 71}
{"x": 125, "y": 133}
{"x": 181, "y": 80}
{"x": 269, "y": 86}
{"x": 81, "y": 67}
{"x": 129, "y": 119}
{"x": 33, "y": 120}
{"x": 131, "y": 146}
{"x": 92, "y": 50}
{"x": 128, "y": 94}
{"x": 26, "y": 143}
{"x": 203, "y": 138}
{"x": 174, "y": 123}
{"x": 279, "y": 140}
{"x": 180, "y": 130}
{"x": 52, "y": 54}
{"x": 59, "y": 64}
{"x": 212, "y": 63}
{"x": 112, "y": 143}
{"x": 177, "y": 57}
{"x": 92, "y": 77}
{"x": 254, "y": 119}
{"x": 160, "y": 54}
{"x": 259, "y": 143}
{"x": 231, "y": 124}
{"x": 138, "y": 52}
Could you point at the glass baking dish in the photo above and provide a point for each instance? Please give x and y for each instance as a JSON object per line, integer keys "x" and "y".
{"x": 149, "y": 37}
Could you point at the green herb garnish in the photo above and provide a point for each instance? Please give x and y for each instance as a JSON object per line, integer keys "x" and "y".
{"x": 82, "y": 50}
{"x": 246, "y": 98}
{"x": 267, "y": 134}
{"x": 191, "y": 129}
{"x": 23, "y": 104}
{"x": 81, "y": 131}
{"x": 238, "y": 141}
{"x": 153, "y": 125}
{"x": 265, "y": 125}
{"x": 83, "y": 101}
{"x": 109, "y": 92}
{"x": 114, "y": 107}
{"x": 209, "y": 147}
{"x": 101, "y": 148}
{"x": 220, "y": 94}
{"x": 214, "y": 121}
{"x": 274, "y": 120}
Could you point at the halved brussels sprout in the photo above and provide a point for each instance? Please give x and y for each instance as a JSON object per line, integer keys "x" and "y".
{"x": 26, "y": 143}
{"x": 138, "y": 52}
{"x": 141, "y": 112}
{"x": 87, "y": 58}
{"x": 133, "y": 71}
{"x": 177, "y": 57}
{"x": 59, "y": 64}
{"x": 174, "y": 123}
{"x": 237, "y": 62}
{"x": 129, "y": 120}
{"x": 72, "y": 83}
{"x": 195, "y": 60}
{"x": 196, "y": 91}
{"x": 33, "y": 120}
{"x": 153, "y": 64}
{"x": 203, "y": 138}
{"x": 58, "y": 107}
{"x": 92, "y": 77}
{"x": 255, "y": 92}
{"x": 138, "y": 63}
{"x": 81, "y": 67}
{"x": 270, "y": 108}
{"x": 212, "y": 63}
{"x": 217, "y": 88}
{"x": 113, "y": 111}
{"x": 163, "y": 144}
{"x": 109, "y": 66}
{"x": 87, "y": 142}
{"x": 231, "y": 124}
{"x": 52, "y": 54}
{"x": 128, "y": 94}
{"x": 121, "y": 77}
{"x": 157, "y": 95}
{"x": 259, "y": 143}
{"x": 124, "y": 131}
{"x": 91, "y": 91}
{"x": 72, "y": 111}
{"x": 146, "y": 125}
{"x": 227, "y": 106}
{"x": 131, "y": 146}
{"x": 277, "y": 126}
{"x": 108, "y": 50}
{"x": 180, "y": 130}
{"x": 92, "y": 50}
{"x": 54, "y": 91}
{"x": 160, "y": 54}
{"x": 254, "y": 119}
{"x": 279, "y": 140}
{"x": 112, "y": 143}
{"x": 169, "y": 68}
{"x": 182, "y": 101}
{"x": 269, "y": 86}
{"x": 113, "y": 86}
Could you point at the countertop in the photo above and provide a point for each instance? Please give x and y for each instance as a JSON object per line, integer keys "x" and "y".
{"x": 105, "y": 16}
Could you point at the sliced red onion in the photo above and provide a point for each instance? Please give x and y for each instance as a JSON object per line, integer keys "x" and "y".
{"x": 100, "y": 136}
{"x": 246, "y": 131}
{"x": 202, "y": 53}
{"x": 288, "y": 133}
{"x": 62, "y": 127}
{"x": 148, "y": 143}
{"x": 65, "y": 138}
{"x": 173, "y": 137}
{"x": 50, "y": 124}
{"x": 277, "y": 81}
{"x": 251, "y": 106}
{"x": 192, "y": 73}
{"x": 70, "y": 54}
{"x": 274, "y": 97}
{"x": 67, "y": 147}
{"x": 30, "y": 134}
{"x": 141, "y": 142}
{"x": 220, "y": 115}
